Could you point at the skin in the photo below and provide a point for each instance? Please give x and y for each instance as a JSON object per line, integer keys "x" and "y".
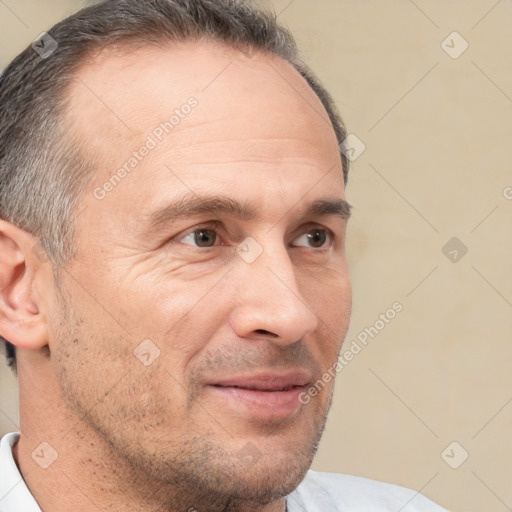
{"x": 160, "y": 437}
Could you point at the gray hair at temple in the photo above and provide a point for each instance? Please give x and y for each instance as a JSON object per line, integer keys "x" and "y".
{"x": 43, "y": 170}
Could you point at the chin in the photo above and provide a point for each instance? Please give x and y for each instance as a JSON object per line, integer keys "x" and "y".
{"x": 266, "y": 480}
{"x": 268, "y": 468}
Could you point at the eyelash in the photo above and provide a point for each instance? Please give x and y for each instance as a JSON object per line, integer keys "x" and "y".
{"x": 216, "y": 228}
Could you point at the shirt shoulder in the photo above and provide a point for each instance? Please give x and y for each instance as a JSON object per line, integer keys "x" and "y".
{"x": 331, "y": 492}
{"x": 14, "y": 493}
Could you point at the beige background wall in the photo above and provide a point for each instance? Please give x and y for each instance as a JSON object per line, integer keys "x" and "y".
{"x": 437, "y": 164}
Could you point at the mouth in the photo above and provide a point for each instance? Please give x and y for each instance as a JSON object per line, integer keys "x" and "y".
{"x": 264, "y": 396}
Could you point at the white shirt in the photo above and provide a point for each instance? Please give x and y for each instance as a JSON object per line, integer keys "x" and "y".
{"x": 318, "y": 492}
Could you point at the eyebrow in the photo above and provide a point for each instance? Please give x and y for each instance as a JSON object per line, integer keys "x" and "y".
{"x": 191, "y": 205}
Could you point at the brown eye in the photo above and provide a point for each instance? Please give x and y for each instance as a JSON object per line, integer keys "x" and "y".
{"x": 205, "y": 237}
{"x": 201, "y": 237}
{"x": 315, "y": 238}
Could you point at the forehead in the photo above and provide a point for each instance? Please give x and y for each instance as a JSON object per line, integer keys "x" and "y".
{"x": 122, "y": 93}
{"x": 252, "y": 113}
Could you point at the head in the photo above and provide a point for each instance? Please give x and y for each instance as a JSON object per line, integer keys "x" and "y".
{"x": 172, "y": 228}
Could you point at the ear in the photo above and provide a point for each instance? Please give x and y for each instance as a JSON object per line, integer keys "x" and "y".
{"x": 21, "y": 322}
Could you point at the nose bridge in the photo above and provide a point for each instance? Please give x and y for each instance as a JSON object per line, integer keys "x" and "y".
{"x": 270, "y": 298}
{"x": 276, "y": 268}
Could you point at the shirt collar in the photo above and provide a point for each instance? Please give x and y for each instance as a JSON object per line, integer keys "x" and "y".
{"x": 14, "y": 493}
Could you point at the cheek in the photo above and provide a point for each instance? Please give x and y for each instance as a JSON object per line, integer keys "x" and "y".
{"x": 92, "y": 345}
{"x": 330, "y": 297}
{"x": 329, "y": 294}
{"x": 180, "y": 317}
{"x": 110, "y": 387}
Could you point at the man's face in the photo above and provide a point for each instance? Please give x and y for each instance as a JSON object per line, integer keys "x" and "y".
{"x": 209, "y": 287}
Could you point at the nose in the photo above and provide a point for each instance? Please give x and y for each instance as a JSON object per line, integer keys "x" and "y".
{"x": 269, "y": 300}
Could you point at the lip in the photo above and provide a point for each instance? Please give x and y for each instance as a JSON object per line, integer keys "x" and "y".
{"x": 264, "y": 396}
{"x": 266, "y": 381}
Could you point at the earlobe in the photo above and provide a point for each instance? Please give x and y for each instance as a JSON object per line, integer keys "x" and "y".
{"x": 21, "y": 321}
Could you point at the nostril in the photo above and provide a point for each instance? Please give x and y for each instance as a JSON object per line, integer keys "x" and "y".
{"x": 263, "y": 331}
